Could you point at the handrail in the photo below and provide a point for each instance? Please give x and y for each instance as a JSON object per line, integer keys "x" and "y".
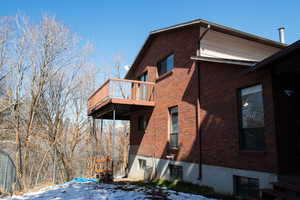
{"x": 122, "y": 89}
{"x": 106, "y": 82}
{"x": 118, "y": 79}
{"x": 132, "y": 81}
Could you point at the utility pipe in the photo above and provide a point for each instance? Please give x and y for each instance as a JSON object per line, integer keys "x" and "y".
{"x": 198, "y": 115}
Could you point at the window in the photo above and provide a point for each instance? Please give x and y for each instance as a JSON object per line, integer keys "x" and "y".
{"x": 252, "y": 118}
{"x": 142, "y": 123}
{"x": 166, "y": 65}
{"x": 173, "y": 112}
{"x": 143, "y": 77}
{"x": 176, "y": 171}
{"x": 246, "y": 187}
{"x": 142, "y": 164}
{"x": 142, "y": 88}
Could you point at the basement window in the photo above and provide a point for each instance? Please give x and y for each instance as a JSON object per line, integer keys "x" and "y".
{"x": 246, "y": 187}
{"x": 142, "y": 164}
{"x": 176, "y": 172}
{"x": 166, "y": 65}
{"x": 252, "y": 118}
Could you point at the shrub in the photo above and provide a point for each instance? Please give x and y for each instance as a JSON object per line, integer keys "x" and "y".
{"x": 181, "y": 186}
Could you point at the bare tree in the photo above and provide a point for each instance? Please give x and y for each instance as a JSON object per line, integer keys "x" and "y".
{"x": 6, "y": 32}
{"x": 45, "y": 62}
{"x": 48, "y": 79}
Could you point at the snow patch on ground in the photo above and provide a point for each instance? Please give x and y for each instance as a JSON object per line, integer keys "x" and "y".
{"x": 93, "y": 191}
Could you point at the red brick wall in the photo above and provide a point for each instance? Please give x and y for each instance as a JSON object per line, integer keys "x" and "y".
{"x": 286, "y": 124}
{"x": 219, "y": 111}
{"x": 174, "y": 89}
{"x": 219, "y": 117}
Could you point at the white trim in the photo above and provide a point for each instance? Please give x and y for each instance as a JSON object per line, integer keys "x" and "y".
{"x": 223, "y": 60}
{"x": 251, "y": 90}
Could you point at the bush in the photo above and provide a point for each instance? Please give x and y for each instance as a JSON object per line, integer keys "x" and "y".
{"x": 181, "y": 186}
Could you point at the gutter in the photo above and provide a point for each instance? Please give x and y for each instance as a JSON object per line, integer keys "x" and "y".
{"x": 199, "y": 95}
{"x": 225, "y": 61}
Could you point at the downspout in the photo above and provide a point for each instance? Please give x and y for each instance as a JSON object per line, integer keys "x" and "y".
{"x": 199, "y": 90}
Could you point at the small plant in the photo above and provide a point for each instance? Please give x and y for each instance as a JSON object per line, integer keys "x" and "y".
{"x": 181, "y": 186}
{"x": 186, "y": 187}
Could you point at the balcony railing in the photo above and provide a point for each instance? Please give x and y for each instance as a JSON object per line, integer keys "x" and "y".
{"x": 122, "y": 91}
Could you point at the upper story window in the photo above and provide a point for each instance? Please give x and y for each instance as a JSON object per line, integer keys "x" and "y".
{"x": 252, "y": 118}
{"x": 142, "y": 88}
{"x": 143, "y": 77}
{"x": 173, "y": 112}
{"x": 166, "y": 65}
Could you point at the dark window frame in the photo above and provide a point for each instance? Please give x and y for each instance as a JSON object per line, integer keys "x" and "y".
{"x": 240, "y": 117}
{"x": 176, "y": 171}
{"x": 143, "y": 88}
{"x": 143, "y": 75}
{"x": 142, "y": 123}
{"x": 142, "y": 163}
{"x": 240, "y": 190}
{"x": 171, "y": 133}
{"x": 165, "y": 59}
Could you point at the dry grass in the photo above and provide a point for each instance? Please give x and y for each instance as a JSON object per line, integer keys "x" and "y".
{"x": 35, "y": 189}
{"x": 127, "y": 180}
{"x": 2, "y": 193}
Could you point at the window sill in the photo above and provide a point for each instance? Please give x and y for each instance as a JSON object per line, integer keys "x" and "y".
{"x": 165, "y": 75}
{"x": 174, "y": 148}
{"x": 141, "y": 132}
{"x": 253, "y": 152}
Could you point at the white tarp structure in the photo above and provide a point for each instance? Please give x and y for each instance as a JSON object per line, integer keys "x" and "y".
{"x": 7, "y": 172}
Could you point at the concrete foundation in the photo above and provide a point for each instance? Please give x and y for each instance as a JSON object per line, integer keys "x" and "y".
{"x": 220, "y": 178}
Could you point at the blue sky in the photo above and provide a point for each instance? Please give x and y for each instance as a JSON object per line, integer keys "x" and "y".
{"x": 121, "y": 27}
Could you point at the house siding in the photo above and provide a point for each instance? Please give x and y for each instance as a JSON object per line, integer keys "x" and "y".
{"x": 221, "y": 45}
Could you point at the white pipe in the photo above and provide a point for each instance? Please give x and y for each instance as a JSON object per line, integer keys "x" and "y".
{"x": 281, "y": 34}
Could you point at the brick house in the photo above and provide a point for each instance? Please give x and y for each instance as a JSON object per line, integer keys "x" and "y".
{"x": 203, "y": 107}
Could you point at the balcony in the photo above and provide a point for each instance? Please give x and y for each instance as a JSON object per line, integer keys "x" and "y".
{"x": 121, "y": 95}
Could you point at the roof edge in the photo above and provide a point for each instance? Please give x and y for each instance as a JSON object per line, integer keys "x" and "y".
{"x": 277, "y": 56}
{"x": 214, "y": 26}
{"x": 227, "y": 29}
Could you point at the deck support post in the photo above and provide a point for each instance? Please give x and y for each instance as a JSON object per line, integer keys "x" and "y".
{"x": 112, "y": 141}
{"x": 101, "y": 136}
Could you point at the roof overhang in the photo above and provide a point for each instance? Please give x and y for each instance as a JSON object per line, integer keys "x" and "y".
{"x": 277, "y": 57}
{"x": 224, "y": 60}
